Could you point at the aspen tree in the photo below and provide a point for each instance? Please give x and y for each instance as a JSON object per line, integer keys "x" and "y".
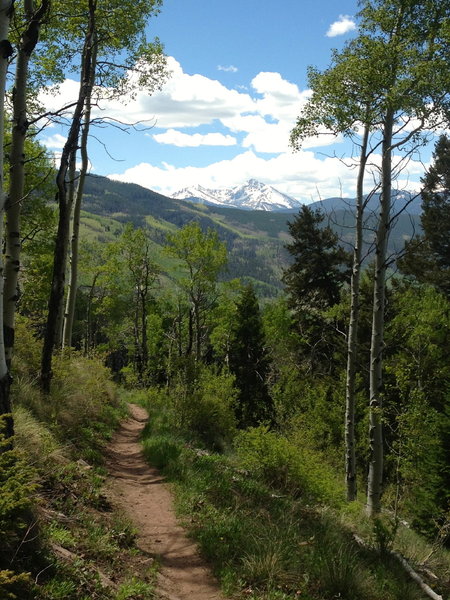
{"x": 6, "y": 8}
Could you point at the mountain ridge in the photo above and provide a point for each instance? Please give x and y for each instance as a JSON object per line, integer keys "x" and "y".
{"x": 252, "y": 195}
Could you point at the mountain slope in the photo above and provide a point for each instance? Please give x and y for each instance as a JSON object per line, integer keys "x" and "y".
{"x": 255, "y": 238}
{"x": 403, "y": 201}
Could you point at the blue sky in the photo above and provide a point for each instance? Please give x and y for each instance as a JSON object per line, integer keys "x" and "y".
{"x": 239, "y": 79}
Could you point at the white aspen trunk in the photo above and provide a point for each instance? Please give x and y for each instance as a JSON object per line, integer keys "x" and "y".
{"x": 73, "y": 279}
{"x": 6, "y": 7}
{"x": 55, "y": 303}
{"x": 17, "y": 168}
{"x": 350, "y": 455}
{"x": 71, "y": 186}
{"x": 375, "y": 478}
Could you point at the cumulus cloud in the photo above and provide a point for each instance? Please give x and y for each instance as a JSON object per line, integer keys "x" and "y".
{"x": 184, "y": 101}
{"x": 180, "y": 139}
{"x": 265, "y": 115}
{"x": 228, "y": 69}
{"x": 301, "y": 175}
{"x": 58, "y": 96}
{"x": 343, "y": 25}
{"x": 54, "y": 142}
{"x": 281, "y": 99}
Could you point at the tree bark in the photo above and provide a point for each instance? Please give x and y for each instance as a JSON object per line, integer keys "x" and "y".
{"x": 26, "y": 47}
{"x": 88, "y": 343}
{"x": 71, "y": 183}
{"x": 73, "y": 280}
{"x": 62, "y": 236}
{"x": 352, "y": 340}
{"x": 375, "y": 478}
{"x": 6, "y": 9}
{"x": 144, "y": 337}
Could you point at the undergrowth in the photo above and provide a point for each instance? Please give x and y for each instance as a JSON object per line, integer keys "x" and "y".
{"x": 60, "y": 538}
{"x": 270, "y": 518}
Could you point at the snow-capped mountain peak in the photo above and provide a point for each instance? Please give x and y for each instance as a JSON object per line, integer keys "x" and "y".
{"x": 253, "y": 195}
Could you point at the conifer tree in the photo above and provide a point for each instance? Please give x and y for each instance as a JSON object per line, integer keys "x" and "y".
{"x": 320, "y": 265}
{"x": 249, "y": 362}
{"x": 313, "y": 283}
{"x": 427, "y": 257}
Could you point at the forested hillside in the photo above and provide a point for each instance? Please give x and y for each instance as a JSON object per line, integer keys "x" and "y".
{"x": 255, "y": 239}
{"x": 296, "y": 384}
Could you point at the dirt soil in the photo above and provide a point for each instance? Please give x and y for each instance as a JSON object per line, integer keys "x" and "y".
{"x": 141, "y": 492}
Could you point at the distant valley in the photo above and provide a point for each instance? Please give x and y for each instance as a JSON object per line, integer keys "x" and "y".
{"x": 255, "y": 238}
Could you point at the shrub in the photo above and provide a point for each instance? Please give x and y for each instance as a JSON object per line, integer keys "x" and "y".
{"x": 14, "y": 586}
{"x": 210, "y": 411}
{"x": 202, "y": 411}
{"x": 83, "y": 405}
{"x": 162, "y": 451}
{"x": 27, "y": 348}
{"x": 36, "y": 440}
{"x": 286, "y": 466}
{"x": 17, "y": 487}
{"x": 83, "y": 399}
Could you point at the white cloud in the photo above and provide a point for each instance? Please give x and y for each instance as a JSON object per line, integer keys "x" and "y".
{"x": 265, "y": 116}
{"x": 177, "y": 138}
{"x": 184, "y": 101}
{"x": 54, "y": 142}
{"x": 228, "y": 69}
{"x": 301, "y": 175}
{"x": 281, "y": 99}
{"x": 343, "y": 25}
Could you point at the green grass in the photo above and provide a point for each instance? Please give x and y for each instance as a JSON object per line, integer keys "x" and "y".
{"x": 52, "y": 489}
{"x": 264, "y": 541}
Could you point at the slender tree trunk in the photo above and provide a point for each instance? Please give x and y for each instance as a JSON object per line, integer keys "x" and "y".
{"x": 190, "y": 332}
{"x": 62, "y": 236}
{"x": 6, "y": 8}
{"x": 73, "y": 280}
{"x": 71, "y": 189}
{"x": 198, "y": 338}
{"x": 17, "y": 168}
{"x": 375, "y": 478}
{"x": 350, "y": 455}
{"x": 88, "y": 338}
{"x": 71, "y": 185}
{"x": 144, "y": 337}
{"x": 137, "y": 341}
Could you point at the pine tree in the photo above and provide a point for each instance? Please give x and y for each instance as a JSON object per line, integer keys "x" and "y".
{"x": 427, "y": 257}
{"x": 320, "y": 265}
{"x": 249, "y": 362}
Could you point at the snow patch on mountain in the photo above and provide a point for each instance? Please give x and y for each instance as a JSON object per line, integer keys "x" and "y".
{"x": 253, "y": 195}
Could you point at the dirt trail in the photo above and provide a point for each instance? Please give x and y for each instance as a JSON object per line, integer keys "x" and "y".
{"x": 141, "y": 492}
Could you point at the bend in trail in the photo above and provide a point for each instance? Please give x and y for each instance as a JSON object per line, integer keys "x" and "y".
{"x": 141, "y": 492}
